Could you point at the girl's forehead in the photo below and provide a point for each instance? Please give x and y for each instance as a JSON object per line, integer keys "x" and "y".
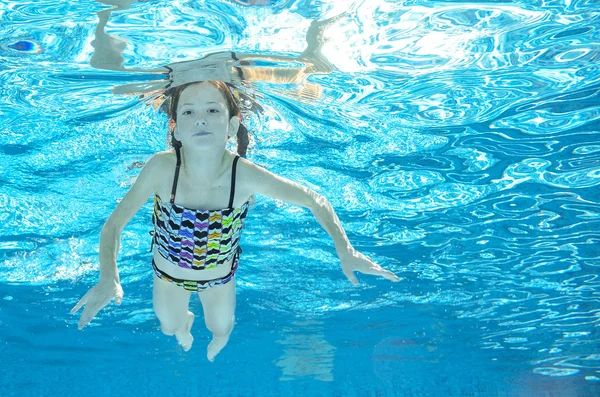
{"x": 201, "y": 93}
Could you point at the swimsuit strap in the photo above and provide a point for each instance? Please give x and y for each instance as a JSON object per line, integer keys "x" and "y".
{"x": 232, "y": 193}
{"x": 174, "y": 189}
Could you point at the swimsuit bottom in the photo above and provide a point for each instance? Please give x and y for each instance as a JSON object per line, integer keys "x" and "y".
{"x": 199, "y": 285}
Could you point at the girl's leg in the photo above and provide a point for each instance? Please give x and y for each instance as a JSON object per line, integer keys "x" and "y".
{"x": 219, "y": 313}
{"x": 171, "y": 307}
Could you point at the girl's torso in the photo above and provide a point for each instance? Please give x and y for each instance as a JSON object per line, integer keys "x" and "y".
{"x": 190, "y": 195}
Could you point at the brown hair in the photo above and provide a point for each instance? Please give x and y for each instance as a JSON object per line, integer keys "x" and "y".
{"x": 172, "y": 99}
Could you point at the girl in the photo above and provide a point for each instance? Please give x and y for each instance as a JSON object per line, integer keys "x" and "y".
{"x": 201, "y": 196}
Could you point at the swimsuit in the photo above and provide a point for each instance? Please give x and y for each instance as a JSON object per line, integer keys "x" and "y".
{"x": 197, "y": 239}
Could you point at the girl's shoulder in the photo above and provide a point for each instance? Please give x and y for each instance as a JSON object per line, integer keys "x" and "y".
{"x": 162, "y": 160}
{"x": 161, "y": 164}
{"x": 249, "y": 174}
{"x": 161, "y": 168}
{"x": 249, "y": 165}
{"x": 244, "y": 168}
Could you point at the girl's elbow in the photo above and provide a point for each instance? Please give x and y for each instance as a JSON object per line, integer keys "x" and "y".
{"x": 109, "y": 228}
{"x": 317, "y": 201}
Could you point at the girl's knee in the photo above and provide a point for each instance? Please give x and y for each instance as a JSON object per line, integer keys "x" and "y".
{"x": 219, "y": 309}
{"x": 220, "y": 325}
{"x": 170, "y": 320}
{"x": 168, "y": 329}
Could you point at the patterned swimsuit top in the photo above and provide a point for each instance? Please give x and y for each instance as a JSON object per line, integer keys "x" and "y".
{"x": 195, "y": 238}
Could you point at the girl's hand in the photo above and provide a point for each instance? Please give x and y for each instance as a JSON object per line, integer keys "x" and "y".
{"x": 353, "y": 260}
{"x": 96, "y": 298}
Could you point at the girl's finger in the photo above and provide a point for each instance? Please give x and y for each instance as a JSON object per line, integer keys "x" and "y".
{"x": 372, "y": 270}
{"x": 118, "y": 296}
{"x": 390, "y": 276}
{"x": 82, "y": 323}
{"x": 84, "y": 319}
{"x": 379, "y": 271}
{"x": 79, "y": 304}
{"x": 88, "y": 314}
{"x": 350, "y": 275}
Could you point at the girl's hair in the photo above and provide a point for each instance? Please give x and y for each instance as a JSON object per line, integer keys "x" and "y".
{"x": 170, "y": 106}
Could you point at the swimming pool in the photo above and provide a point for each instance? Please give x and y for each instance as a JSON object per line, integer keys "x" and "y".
{"x": 457, "y": 141}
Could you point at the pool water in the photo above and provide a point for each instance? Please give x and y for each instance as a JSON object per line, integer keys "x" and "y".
{"x": 457, "y": 142}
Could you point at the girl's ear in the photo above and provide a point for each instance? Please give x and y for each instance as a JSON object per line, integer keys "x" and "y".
{"x": 173, "y": 128}
{"x": 234, "y": 126}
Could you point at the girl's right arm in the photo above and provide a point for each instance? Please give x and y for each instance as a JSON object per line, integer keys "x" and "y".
{"x": 108, "y": 286}
{"x": 110, "y": 236}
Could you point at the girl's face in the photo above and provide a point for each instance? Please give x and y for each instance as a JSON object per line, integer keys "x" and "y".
{"x": 203, "y": 117}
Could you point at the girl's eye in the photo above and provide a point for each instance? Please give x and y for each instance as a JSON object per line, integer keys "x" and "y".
{"x": 213, "y": 110}
{"x": 187, "y": 112}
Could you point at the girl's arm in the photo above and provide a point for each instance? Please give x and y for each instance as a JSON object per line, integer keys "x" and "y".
{"x": 109, "y": 285}
{"x": 265, "y": 182}
{"x": 110, "y": 236}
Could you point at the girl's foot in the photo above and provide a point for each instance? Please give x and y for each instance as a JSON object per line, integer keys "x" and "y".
{"x": 184, "y": 337}
{"x": 215, "y": 346}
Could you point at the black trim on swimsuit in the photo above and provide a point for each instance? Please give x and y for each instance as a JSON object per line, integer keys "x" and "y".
{"x": 232, "y": 191}
{"x": 234, "y": 267}
{"x": 176, "y": 178}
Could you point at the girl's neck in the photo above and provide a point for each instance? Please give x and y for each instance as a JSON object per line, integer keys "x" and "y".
{"x": 203, "y": 166}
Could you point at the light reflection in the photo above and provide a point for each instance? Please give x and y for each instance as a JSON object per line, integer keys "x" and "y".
{"x": 231, "y": 67}
{"x": 306, "y": 353}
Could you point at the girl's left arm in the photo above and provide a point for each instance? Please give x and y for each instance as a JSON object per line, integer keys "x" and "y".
{"x": 280, "y": 188}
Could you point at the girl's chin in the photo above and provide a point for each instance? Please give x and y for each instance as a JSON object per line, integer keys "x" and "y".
{"x": 203, "y": 143}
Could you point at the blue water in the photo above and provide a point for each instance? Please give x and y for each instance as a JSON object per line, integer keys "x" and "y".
{"x": 458, "y": 143}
